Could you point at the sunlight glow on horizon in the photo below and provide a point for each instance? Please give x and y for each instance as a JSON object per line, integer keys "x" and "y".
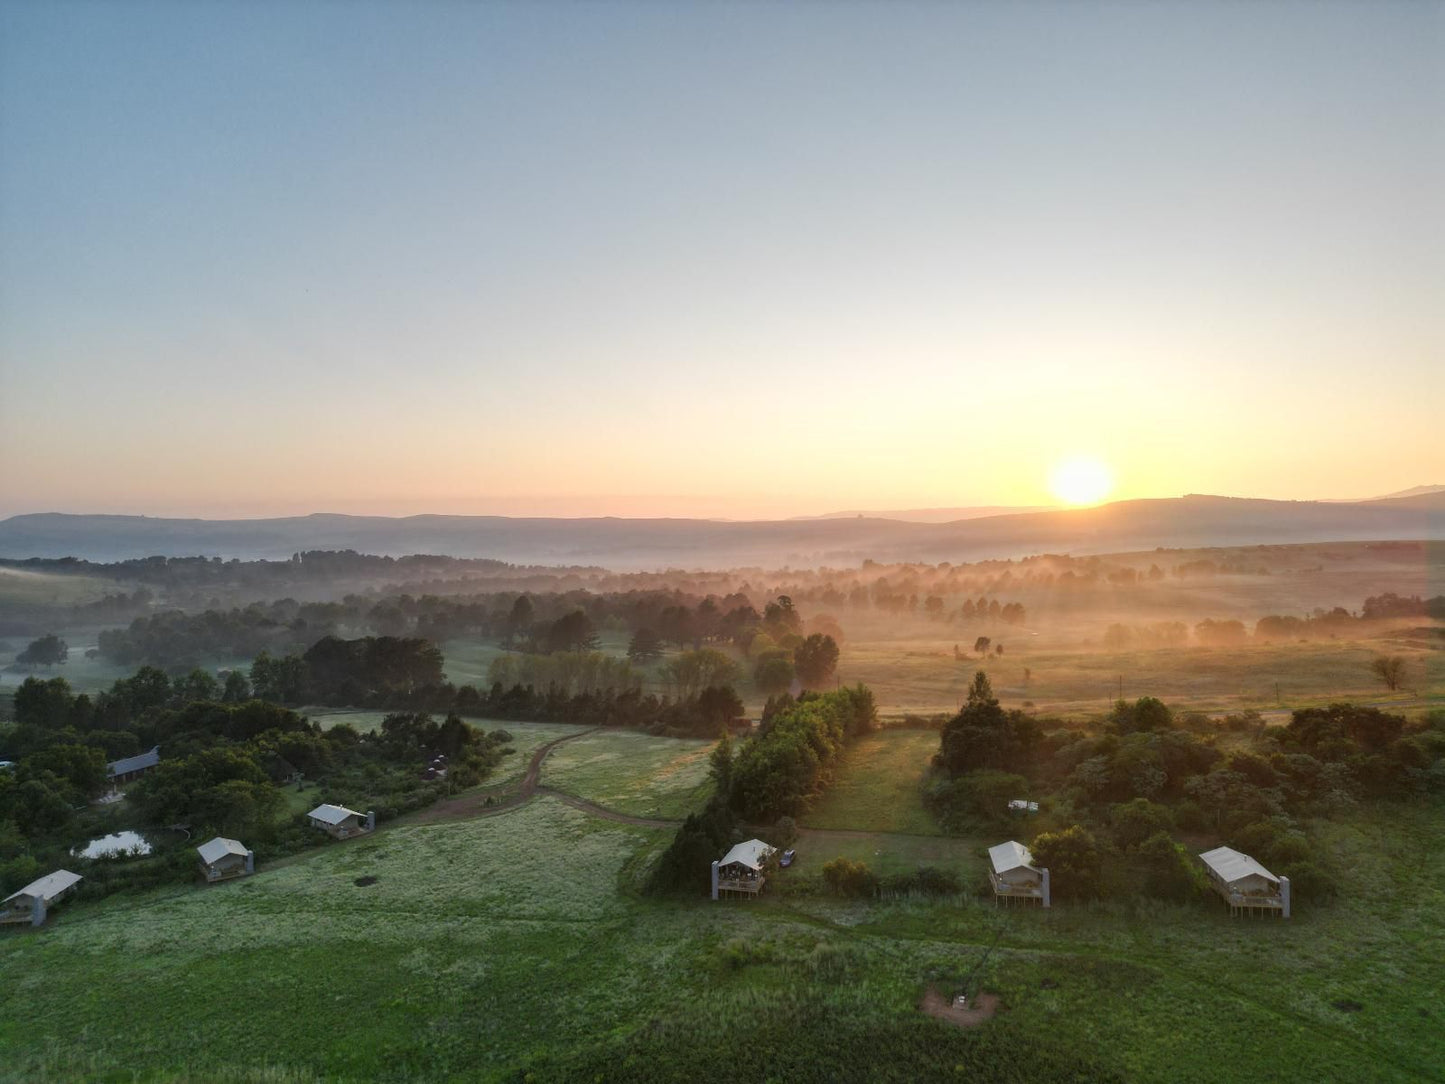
{"x": 1081, "y": 480}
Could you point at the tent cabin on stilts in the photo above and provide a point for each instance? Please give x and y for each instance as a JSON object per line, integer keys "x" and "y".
{"x": 223, "y": 859}
{"x": 1246, "y": 886}
{"x": 1015, "y": 877}
{"x": 740, "y": 871}
{"x": 33, "y": 902}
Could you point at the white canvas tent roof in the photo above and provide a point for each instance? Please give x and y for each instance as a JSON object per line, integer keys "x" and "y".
{"x": 216, "y": 849}
{"x": 750, "y": 854}
{"x": 49, "y": 886}
{"x": 1232, "y": 866}
{"x": 332, "y": 814}
{"x": 1010, "y": 856}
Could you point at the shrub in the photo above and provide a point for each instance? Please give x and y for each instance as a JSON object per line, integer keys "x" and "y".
{"x": 845, "y": 877}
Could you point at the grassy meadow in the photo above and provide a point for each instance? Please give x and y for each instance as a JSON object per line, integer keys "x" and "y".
{"x": 633, "y": 773}
{"x": 515, "y": 948}
{"x": 879, "y": 787}
{"x": 923, "y": 676}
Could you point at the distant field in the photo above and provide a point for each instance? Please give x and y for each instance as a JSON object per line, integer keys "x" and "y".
{"x": 879, "y": 785}
{"x": 922, "y": 675}
{"x": 467, "y": 659}
{"x": 634, "y": 773}
{"x": 25, "y": 587}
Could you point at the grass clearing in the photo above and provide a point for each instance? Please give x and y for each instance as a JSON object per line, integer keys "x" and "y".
{"x": 879, "y": 785}
{"x": 487, "y": 948}
{"x": 921, "y": 675}
{"x": 634, "y": 773}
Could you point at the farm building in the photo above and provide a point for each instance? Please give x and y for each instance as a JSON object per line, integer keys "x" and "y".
{"x": 1246, "y": 886}
{"x": 1014, "y": 875}
{"x": 33, "y": 902}
{"x": 126, "y": 769}
{"x": 1021, "y": 805}
{"x": 343, "y": 823}
{"x": 741, "y": 869}
{"x": 222, "y": 859}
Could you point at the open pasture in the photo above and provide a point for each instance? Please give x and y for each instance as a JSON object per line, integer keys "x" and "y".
{"x": 486, "y": 949}
{"x": 878, "y": 787}
{"x": 923, "y": 676}
{"x": 467, "y": 658}
{"x": 634, "y": 773}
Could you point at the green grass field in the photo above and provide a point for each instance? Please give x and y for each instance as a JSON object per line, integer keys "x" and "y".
{"x": 489, "y": 946}
{"x": 879, "y": 785}
{"x": 923, "y": 676}
{"x": 634, "y": 773}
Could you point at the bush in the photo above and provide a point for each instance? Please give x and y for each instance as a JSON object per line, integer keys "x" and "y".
{"x": 845, "y": 877}
{"x": 925, "y": 880}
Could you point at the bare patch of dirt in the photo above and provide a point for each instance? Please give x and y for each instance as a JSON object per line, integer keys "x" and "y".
{"x": 979, "y": 1009}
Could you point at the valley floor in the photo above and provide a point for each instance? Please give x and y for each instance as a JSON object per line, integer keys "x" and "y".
{"x": 515, "y": 946}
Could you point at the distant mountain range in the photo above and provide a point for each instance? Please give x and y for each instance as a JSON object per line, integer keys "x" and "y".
{"x": 932, "y": 515}
{"x": 627, "y": 544}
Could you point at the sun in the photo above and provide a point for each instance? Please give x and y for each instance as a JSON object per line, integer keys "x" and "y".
{"x": 1081, "y": 480}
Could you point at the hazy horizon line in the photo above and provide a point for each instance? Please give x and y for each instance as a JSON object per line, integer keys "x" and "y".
{"x": 578, "y": 507}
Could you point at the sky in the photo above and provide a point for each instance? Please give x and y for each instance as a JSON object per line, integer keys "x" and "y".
{"x": 736, "y": 260}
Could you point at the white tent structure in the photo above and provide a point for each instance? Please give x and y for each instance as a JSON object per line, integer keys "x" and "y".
{"x": 341, "y": 822}
{"x": 1014, "y": 875}
{"x": 33, "y": 902}
{"x": 222, "y": 859}
{"x": 741, "y": 869}
{"x": 1246, "y": 885}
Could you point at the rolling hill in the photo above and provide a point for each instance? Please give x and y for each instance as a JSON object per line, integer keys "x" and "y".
{"x": 1188, "y": 521}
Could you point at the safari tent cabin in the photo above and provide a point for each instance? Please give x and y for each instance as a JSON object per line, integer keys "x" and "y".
{"x": 126, "y": 769}
{"x": 740, "y": 871}
{"x": 340, "y": 822}
{"x": 1014, "y": 875}
{"x": 33, "y": 902}
{"x": 222, "y": 859}
{"x": 1246, "y": 886}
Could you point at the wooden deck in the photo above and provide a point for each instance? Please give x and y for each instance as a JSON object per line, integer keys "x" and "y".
{"x": 1005, "y": 890}
{"x": 747, "y": 887}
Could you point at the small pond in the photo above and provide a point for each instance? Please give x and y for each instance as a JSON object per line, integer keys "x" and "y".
{"x": 115, "y": 845}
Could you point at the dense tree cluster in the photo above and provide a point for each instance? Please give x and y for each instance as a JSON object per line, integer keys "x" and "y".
{"x": 220, "y": 770}
{"x": 785, "y": 763}
{"x": 1146, "y": 774}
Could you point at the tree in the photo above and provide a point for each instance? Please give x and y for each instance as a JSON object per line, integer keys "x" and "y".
{"x": 519, "y": 620}
{"x": 46, "y": 652}
{"x": 237, "y": 689}
{"x": 983, "y": 735}
{"x": 45, "y": 704}
{"x": 693, "y": 671}
{"x": 773, "y": 673}
{"x": 645, "y": 646}
{"x": 719, "y": 705}
{"x": 780, "y": 617}
{"x": 573, "y": 632}
{"x": 816, "y": 659}
{"x": 1134, "y": 822}
{"x": 1072, "y": 857}
{"x": 720, "y": 765}
{"x": 1390, "y": 669}
{"x": 981, "y": 645}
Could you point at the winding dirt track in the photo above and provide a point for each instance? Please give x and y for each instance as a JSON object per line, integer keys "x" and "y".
{"x": 475, "y": 805}
{"x": 470, "y": 806}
